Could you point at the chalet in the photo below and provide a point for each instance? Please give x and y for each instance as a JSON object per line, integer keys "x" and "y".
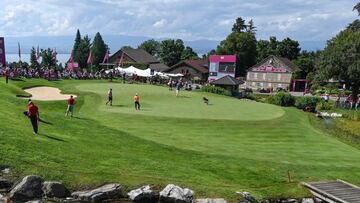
{"x": 139, "y": 56}
{"x": 271, "y": 73}
{"x": 229, "y": 83}
{"x": 191, "y": 69}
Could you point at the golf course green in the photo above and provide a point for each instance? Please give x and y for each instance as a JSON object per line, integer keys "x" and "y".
{"x": 230, "y": 145}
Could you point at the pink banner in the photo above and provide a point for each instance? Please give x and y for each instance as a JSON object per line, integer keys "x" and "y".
{"x": 271, "y": 69}
{"x": 73, "y": 66}
{"x": 2, "y": 52}
{"x": 222, "y": 58}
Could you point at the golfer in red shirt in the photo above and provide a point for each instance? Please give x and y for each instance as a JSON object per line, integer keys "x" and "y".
{"x": 137, "y": 101}
{"x": 70, "y": 108}
{"x": 33, "y": 113}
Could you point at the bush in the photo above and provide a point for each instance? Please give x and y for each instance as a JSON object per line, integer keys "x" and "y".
{"x": 302, "y": 102}
{"x": 325, "y": 106}
{"x": 282, "y": 99}
{"x": 257, "y": 97}
{"x": 216, "y": 90}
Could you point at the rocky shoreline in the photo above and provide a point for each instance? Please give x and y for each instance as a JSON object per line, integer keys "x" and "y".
{"x": 33, "y": 189}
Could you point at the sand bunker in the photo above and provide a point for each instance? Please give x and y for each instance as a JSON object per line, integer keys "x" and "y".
{"x": 46, "y": 94}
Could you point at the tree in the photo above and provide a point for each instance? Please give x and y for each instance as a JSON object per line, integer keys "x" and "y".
{"x": 151, "y": 46}
{"x": 189, "y": 53}
{"x": 288, "y": 48}
{"x": 171, "y": 51}
{"x": 306, "y": 62}
{"x": 341, "y": 59}
{"x": 251, "y": 27}
{"x": 243, "y": 45}
{"x": 83, "y": 51}
{"x": 239, "y": 25}
{"x": 33, "y": 59}
{"x": 77, "y": 52}
{"x": 48, "y": 60}
{"x": 126, "y": 47}
{"x": 98, "y": 50}
{"x": 357, "y": 8}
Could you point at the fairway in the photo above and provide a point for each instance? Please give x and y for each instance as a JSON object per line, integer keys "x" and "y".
{"x": 228, "y": 146}
{"x": 159, "y": 101}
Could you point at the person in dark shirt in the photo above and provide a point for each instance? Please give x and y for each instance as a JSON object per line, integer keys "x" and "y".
{"x": 33, "y": 113}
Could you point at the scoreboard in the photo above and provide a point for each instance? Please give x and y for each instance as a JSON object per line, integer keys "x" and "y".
{"x": 221, "y": 65}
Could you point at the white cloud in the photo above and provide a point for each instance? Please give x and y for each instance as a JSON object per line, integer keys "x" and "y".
{"x": 160, "y": 23}
{"x": 188, "y": 19}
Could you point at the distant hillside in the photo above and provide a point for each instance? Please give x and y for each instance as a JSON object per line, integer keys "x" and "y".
{"x": 63, "y": 44}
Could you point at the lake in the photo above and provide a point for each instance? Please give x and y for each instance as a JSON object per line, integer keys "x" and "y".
{"x": 62, "y": 58}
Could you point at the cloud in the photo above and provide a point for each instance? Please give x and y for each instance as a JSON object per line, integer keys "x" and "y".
{"x": 160, "y": 23}
{"x": 187, "y": 19}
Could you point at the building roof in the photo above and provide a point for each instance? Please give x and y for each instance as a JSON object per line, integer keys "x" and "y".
{"x": 138, "y": 55}
{"x": 281, "y": 62}
{"x": 160, "y": 67}
{"x": 200, "y": 65}
{"x": 227, "y": 80}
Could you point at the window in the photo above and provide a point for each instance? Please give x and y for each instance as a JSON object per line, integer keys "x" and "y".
{"x": 255, "y": 75}
{"x": 227, "y": 67}
{"x": 264, "y": 76}
{"x": 279, "y": 77}
{"x": 212, "y": 67}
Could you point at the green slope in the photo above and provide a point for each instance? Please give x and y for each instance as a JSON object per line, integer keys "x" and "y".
{"x": 230, "y": 146}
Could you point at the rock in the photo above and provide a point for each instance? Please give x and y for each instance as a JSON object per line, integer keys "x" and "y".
{"x": 28, "y": 189}
{"x": 55, "y": 189}
{"x": 35, "y": 201}
{"x": 290, "y": 201}
{"x": 247, "y": 197}
{"x": 4, "y": 184}
{"x": 307, "y": 200}
{"x": 143, "y": 194}
{"x": 175, "y": 194}
{"x": 106, "y": 192}
{"x": 210, "y": 201}
{"x": 5, "y": 171}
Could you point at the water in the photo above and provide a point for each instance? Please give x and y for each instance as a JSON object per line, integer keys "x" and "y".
{"x": 62, "y": 58}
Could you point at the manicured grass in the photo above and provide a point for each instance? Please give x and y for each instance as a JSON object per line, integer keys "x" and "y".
{"x": 216, "y": 150}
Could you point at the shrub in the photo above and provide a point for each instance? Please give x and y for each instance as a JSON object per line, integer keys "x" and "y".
{"x": 216, "y": 90}
{"x": 282, "y": 99}
{"x": 302, "y": 102}
{"x": 325, "y": 106}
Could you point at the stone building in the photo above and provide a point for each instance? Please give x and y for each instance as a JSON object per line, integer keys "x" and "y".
{"x": 271, "y": 73}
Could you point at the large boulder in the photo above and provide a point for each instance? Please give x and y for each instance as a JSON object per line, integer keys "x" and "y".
{"x": 218, "y": 200}
{"x": 106, "y": 192}
{"x": 29, "y": 188}
{"x": 307, "y": 200}
{"x": 144, "y": 194}
{"x": 55, "y": 189}
{"x": 4, "y": 184}
{"x": 175, "y": 194}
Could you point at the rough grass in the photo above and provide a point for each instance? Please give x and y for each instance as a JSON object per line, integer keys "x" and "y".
{"x": 216, "y": 154}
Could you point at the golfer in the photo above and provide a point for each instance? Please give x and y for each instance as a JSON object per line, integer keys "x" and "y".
{"x": 33, "y": 113}
{"x": 178, "y": 86}
{"x": 110, "y": 97}
{"x": 70, "y": 108}
{"x": 137, "y": 101}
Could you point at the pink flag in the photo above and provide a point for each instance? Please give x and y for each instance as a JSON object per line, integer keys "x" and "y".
{"x": 106, "y": 57}
{"x": 19, "y": 51}
{"x": 121, "y": 60}
{"x": 71, "y": 59}
{"x": 90, "y": 59}
{"x": 38, "y": 53}
{"x": 54, "y": 54}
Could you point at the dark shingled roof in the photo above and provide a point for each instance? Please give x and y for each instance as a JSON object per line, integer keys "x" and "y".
{"x": 160, "y": 67}
{"x": 140, "y": 56}
{"x": 201, "y": 65}
{"x": 227, "y": 80}
{"x": 290, "y": 65}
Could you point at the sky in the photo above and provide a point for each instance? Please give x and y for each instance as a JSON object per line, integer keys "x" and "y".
{"x": 303, "y": 20}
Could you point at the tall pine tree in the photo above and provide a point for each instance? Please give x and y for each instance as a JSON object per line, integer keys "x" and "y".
{"x": 33, "y": 59}
{"x": 77, "y": 52}
{"x": 98, "y": 51}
